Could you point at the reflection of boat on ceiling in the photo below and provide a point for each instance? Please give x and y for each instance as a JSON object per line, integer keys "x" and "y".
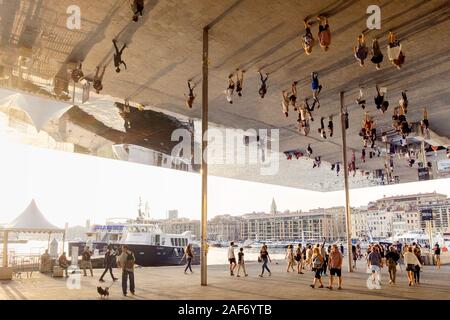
{"x": 138, "y": 154}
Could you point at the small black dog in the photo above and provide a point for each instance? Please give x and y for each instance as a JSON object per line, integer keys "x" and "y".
{"x": 103, "y": 292}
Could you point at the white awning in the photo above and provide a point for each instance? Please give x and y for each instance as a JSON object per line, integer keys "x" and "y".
{"x": 32, "y": 220}
{"x": 40, "y": 110}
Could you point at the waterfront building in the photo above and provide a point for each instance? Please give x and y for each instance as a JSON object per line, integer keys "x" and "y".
{"x": 358, "y": 219}
{"x": 172, "y": 214}
{"x": 224, "y": 228}
{"x": 180, "y": 225}
{"x": 293, "y": 226}
{"x": 441, "y": 215}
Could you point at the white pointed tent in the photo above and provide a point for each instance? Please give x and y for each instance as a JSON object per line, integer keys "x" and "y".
{"x": 31, "y": 220}
{"x": 40, "y": 110}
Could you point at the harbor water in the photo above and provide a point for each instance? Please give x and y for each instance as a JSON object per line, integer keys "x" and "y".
{"x": 215, "y": 255}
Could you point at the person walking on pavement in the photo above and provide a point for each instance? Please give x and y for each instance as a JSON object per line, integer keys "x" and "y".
{"x": 374, "y": 265}
{"x": 437, "y": 255}
{"x": 188, "y": 255}
{"x": 241, "y": 262}
{"x": 110, "y": 258}
{"x": 324, "y": 254}
{"x": 354, "y": 256}
{"x": 290, "y": 258}
{"x": 317, "y": 263}
{"x": 411, "y": 261}
{"x": 299, "y": 258}
{"x": 86, "y": 260}
{"x": 126, "y": 262}
{"x": 392, "y": 258}
{"x": 265, "y": 258}
{"x": 231, "y": 258}
{"x": 335, "y": 266}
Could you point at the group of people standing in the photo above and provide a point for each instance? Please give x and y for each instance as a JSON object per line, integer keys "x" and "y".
{"x": 124, "y": 259}
{"x": 393, "y": 256}
{"x": 319, "y": 258}
{"x": 394, "y": 50}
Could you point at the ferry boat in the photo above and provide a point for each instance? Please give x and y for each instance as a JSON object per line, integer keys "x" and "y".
{"x": 417, "y": 236}
{"x": 150, "y": 245}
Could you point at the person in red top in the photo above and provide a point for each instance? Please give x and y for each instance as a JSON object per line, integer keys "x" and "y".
{"x": 324, "y": 35}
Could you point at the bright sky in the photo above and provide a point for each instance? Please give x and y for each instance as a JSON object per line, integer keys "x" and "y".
{"x": 73, "y": 188}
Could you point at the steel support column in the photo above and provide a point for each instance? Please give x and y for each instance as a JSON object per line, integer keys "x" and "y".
{"x": 347, "y": 195}
{"x": 204, "y": 167}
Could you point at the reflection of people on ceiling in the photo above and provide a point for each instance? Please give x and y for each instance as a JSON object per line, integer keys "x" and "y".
{"x": 315, "y": 87}
{"x": 263, "y": 88}
{"x": 377, "y": 55}
{"x": 98, "y": 86}
{"x": 361, "y": 51}
{"x": 230, "y": 89}
{"x": 293, "y": 95}
{"x": 309, "y": 150}
{"x": 77, "y": 73}
{"x": 321, "y": 130}
{"x": 360, "y": 100}
{"x": 191, "y": 96}
{"x": 330, "y": 126}
{"x": 307, "y": 38}
{"x": 118, "y": 56}
{"x": 395, "y": 52}
{"x": 138, "y": 9}
{"x": 424, "y": 124}
{"x": 285, "y": 103}
{"x": 403, "y": 102}
{"x": 239, "y": 82}
{"x": 126, "y": 114}
{"x": 324, "y": 35}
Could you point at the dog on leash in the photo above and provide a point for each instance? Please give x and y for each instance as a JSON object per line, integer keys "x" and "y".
{"x": 103, "y": 292}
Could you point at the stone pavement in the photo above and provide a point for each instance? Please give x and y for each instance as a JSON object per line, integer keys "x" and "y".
{"x": 171, "y": 283}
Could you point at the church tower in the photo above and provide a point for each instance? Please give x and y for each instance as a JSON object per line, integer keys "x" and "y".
{"x": 273, "y": 207}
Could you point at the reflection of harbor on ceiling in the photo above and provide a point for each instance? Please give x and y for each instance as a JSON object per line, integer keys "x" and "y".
{"x": 38, "y": 52}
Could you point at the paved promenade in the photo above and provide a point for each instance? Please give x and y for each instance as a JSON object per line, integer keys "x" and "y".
{"x": 171, "y": 283}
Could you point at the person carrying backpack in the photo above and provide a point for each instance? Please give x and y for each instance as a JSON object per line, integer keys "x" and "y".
{"x": 317, "y": 262}
{"x": 126, "y": 262}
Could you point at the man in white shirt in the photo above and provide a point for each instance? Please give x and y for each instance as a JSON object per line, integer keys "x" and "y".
{"x": 231, "y": 258}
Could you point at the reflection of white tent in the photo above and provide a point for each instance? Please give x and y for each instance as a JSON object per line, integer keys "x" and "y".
{"x": 40, "y": 110}
{"x": 31, "y": 220}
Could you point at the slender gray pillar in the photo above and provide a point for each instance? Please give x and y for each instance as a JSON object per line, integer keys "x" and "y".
{"x": 204, "y": 167}
{"x": 348, "y": 229}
